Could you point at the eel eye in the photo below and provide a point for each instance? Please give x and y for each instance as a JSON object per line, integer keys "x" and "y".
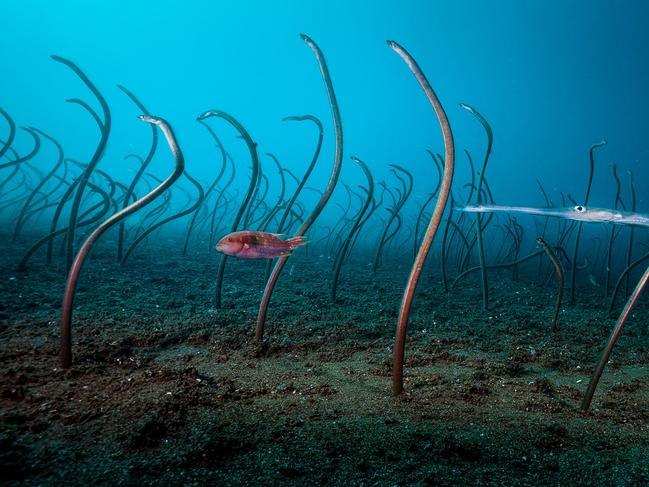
{"x": 579, "y": 208}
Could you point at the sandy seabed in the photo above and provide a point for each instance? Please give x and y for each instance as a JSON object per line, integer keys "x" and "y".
{"x": 167, "y": 390}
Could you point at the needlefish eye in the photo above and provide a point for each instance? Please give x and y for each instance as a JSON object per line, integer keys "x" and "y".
{"x": 579, "y": 209}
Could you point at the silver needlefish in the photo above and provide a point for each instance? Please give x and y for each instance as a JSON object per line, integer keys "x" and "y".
{"x": 578, "y": 213}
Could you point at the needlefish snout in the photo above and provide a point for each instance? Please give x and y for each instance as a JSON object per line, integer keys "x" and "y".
{"x": 257, "y": 245}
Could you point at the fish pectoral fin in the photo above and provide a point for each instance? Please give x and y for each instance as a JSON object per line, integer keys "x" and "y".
{"x": 246, "y": 246}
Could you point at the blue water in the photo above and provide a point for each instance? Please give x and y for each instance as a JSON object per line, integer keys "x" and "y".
{"x": 550, "y": 78}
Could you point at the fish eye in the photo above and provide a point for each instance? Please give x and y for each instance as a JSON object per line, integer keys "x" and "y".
{"x": 579, "y": 208}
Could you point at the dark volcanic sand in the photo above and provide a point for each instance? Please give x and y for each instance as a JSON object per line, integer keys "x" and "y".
{"x": 167, "y": 390}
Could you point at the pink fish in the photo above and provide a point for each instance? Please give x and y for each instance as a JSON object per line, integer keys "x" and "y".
{"x": 257, "y": 245}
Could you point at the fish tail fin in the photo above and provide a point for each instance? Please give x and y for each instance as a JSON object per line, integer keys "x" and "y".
{"x": 294, "y": 242}
{"x": 469, "y": 209}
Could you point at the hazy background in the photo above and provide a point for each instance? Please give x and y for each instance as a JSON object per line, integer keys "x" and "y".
{"x": 552, "y": 77}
